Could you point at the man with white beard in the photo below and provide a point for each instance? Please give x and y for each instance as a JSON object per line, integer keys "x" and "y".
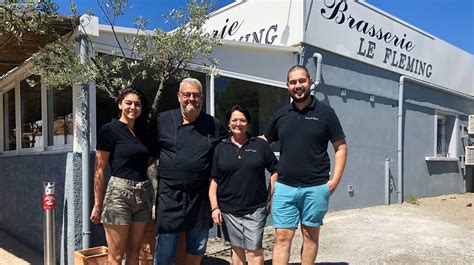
{"x": 184, "y": 141}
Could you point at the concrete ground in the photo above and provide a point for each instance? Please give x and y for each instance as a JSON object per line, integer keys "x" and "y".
{"x": 15, "y": 253}
{"x": 436, "y": 230}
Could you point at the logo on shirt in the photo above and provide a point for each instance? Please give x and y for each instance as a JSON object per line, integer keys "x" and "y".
{"x": 311, "y": 118}
{"x": 250, "y": 150}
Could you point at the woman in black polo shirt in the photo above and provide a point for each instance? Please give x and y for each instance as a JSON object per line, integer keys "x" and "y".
{"x": 125, "y": 209}
{"x": 238, "y": 192}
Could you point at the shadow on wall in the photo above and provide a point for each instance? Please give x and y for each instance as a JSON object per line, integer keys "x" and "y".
{"x": 442, "y": 167}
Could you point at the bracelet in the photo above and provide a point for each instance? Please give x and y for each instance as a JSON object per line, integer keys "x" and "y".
{"x": 215, "y": 208}
{"x": 97, "y": 208}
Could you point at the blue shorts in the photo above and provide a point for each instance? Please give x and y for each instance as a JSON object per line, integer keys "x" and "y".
{"x": 290, "y": 205}
{"x": 166, "y": 244}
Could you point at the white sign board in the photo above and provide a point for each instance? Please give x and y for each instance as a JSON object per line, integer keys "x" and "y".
{"x": 260, "y": 21}
{"x": 359, "y": 31}
{"x": 352, "y": 29}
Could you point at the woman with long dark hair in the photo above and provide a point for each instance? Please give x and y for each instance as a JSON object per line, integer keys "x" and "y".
{"x": 125, "y": 208}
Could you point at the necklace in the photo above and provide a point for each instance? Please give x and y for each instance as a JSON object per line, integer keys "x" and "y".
{"x": 238, "y": 147}
{"x": 238, "y": 153}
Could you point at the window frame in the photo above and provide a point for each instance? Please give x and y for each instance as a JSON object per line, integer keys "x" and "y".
{"x": 14, "y": 84}
{"x": 19, "y": 134}
{"x": 224, "y": 73}
{"x": 249, "y": 78}
{"x": 45, "y": 104}
{"x": 8, "y": 87}
{"x": 453, "y": 139}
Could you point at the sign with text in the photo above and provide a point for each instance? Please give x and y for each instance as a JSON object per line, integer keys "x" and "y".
{"x": 350, "y": 28}
{"x": 359, "y": 31}
{"x": 261, "y": 21}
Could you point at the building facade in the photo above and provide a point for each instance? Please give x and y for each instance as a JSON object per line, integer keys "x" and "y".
{"x": 403, "y": 97}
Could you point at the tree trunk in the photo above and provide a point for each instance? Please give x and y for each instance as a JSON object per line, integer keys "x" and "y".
{"x": 156, "y": 100}
{"x": 153, "y": 173}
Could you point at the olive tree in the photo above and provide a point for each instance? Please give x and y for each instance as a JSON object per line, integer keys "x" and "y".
{"x": 18, "y": 17}
{"x": 156, "y": 54}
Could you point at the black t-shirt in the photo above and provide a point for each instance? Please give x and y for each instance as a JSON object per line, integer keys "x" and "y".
{"x": 304, "y": 136}
{"x": 185, "y": 150}
{"x": 128, "y": 155}
{"x": 240, "y": 175}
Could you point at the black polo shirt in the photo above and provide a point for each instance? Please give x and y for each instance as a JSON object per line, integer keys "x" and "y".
{"x": 185, "y": 150}
{"x": 185, "y": 156}
{"x": 304, "y": 136}
{"x": 128, "y": 155}
{"x": 240, "y": 175}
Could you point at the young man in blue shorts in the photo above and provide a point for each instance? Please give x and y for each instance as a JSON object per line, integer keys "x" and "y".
{"x": 301, "y": 193}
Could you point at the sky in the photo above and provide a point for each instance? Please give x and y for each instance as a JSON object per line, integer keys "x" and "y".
{"x": 450, "y": 20}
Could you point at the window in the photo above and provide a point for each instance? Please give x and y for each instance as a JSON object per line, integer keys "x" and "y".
{"x": 59, "y": 115}
{"x": 30, "y": 103}
{"x": 446, "y": 135}
{"x": 9, "y": 124}
{"x": 261, "y": 100}
{"x": 34, "y": 118}
{"x": 169, "y": 99}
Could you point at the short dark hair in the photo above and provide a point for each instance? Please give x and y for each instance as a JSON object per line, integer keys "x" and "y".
{"x": 295, "y": 68}
{"x": 240, "y": 109}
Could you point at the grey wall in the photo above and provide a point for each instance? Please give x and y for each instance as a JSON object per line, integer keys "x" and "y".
{"x": 371, "y": 130}
{"x": 21, "y": 188}
{"x": 429, "y": 178}
{"x": 71, "y": 231}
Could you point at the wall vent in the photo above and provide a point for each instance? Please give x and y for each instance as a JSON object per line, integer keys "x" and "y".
{"x": 469, "y": 156}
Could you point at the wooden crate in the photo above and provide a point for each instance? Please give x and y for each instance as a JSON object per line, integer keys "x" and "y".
{"x": 91, "y": 256}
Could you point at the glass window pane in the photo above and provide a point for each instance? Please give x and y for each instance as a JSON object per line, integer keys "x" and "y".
{"x": 442, "y": 147}
{"x": 261, "y": 100}
{"x": 9, "y": 124}
{"x": 169, "y": 99}
{"x": 31, "y": 123}
{"x": 60, "y": 118}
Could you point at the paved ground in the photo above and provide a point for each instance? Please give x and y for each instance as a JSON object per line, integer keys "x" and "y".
{"x": 437, "y": 230}
{"x": 13, "y": 252}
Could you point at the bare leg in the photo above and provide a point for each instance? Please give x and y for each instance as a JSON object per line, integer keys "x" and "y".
{"x": 116, "y": 236}
{"x": 255, "y": 257}
{"x": 282, "y": 247}
{"x": 238, "y": 255}
{"x": 137, "y": 231}
{"x": 309, "y": 250}
{"x": 181, "y": 250}
{"x": 192, "y": 259}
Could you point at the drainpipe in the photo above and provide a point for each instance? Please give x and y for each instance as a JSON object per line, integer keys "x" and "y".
{"x": 400, "y": 122}
{"x": 401, "y": 83}
{"x": 317, "y": 78}
{"x": 85, "y": 124}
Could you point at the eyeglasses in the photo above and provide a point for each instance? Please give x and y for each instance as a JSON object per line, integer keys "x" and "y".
{"x": 296, "y": 81}
{"x": 189, "y": 94}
